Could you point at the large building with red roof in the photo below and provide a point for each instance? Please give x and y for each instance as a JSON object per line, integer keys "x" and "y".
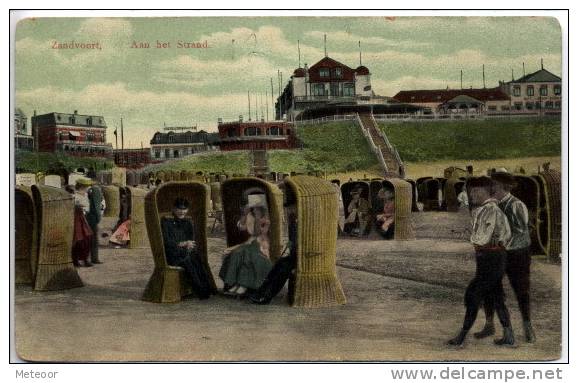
{"x": 326, "y": 82}
{"x": 458, "y": 101}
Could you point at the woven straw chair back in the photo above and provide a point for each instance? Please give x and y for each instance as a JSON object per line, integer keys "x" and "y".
{"x": 55, "y": 215}
{"x": 232, "y": 197}
{"x": 550, "y": 230}
{"x": 111, "y": 195}
{"x": 430, "y": 194}
{"x": 452, "y": 188}
{"x": 316, "y": 283}
{"x": 403, "y": 201}
{"x": 527, "y": 189}
{"x": 138, "y": 233}
{"x": 414, "y": 194}
{"x": 26, "y": 236}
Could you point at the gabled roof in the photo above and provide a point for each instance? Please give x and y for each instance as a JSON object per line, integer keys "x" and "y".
{"x": 444, "y": 95}
{"x": 463, "y": 99}
{"x": 347, "y": 73}
{"x": 541, "y": 75}
{"x": 187, "y": 137}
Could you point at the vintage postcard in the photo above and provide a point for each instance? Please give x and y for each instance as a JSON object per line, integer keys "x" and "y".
{"x": 371, "y": 188}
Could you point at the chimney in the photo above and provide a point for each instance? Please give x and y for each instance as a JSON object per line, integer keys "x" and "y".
{"x": 76, "y": 112}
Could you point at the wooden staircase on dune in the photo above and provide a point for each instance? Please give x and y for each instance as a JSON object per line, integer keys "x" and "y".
{"x": 393, "y": 164}
{"x": 259, "y": 164}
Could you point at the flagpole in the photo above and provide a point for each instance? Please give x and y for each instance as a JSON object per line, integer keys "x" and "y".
{"x": 121, "y": 134}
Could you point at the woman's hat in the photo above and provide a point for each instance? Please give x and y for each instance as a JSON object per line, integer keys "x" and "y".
{"x": 86, "y": 182}
{"x": 256, "y": 200}
{"x": 502, "y": 176}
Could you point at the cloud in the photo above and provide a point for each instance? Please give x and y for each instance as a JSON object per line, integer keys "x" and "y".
{"x": 367, "y": 42}
{"x": 143, "y": 112}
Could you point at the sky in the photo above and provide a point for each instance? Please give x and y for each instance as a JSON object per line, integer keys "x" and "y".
{"x": 184, "y": 87}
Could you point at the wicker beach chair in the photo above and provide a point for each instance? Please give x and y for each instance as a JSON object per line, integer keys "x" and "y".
{"x": 55, "y": 227}
{"x": 527, "y": 189}
{"x": 131, "y": 178}
{"x": 403, "y": 203}
{"x": 452, "y": 189}
{"x": 414, "y": 206}
{"x": 315, "y": 283}
{"x": 26, "y": 236}
{"x": 138, "y": 231}
{"x": 421, "y": 189}
{"x": 430, "y": 194}
{"x": 167, "y": 284}
{"x": 550, "y": 229}
{"x": 111, "y": 195}
{"x": 232, "y": 196}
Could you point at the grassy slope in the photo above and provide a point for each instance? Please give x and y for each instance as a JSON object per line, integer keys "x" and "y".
{"x": 330, "y": 147}
{"x": 229, "y": 162}
{"x": 30, "y": 162}
{"x": 474, "y": 140}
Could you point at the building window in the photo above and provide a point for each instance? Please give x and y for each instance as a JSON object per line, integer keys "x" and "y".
{"x": 517, "y": 91}
{"x": 557, "y": 104}
{"x": 89, "y": 121}
{"x": 274, "y": 131}
{"x": 505, "y": 107}
{"x": 337, "y": 73}
{"x": 348, "y": 89}
{"x": 324, "y": 72}
{"x": 175, "y": 153}
{"x": 529, "y": 105}
{"x": 252, "y": 131}
{"x": 71, "y": 120}
{"x": 557, "y": 90}
{"x": 548, "y": 105}
{"x": 544, "y": 90}
{"x": 518, "y": 106}
{"x": 492, "y": 107}
{"x": 167, "y": 153}
{"x": 530, "y": 90}
{"x": 319, "y": 89}
{"x": 157, "y": 154}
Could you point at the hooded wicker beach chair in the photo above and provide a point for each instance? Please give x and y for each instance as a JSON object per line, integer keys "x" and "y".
{"x": 430, "y": 194}
{"x": 421, "y": 189}
{"x": 550, "y": 229}
{"x": 167, "y": 283}
{"x": 403, "y": 202}
{"x": 452, "y": 189}
{"x": 26, "y": 236}
{"x": 315, "y": 282}
{"x": 51, "y": 260}
{"x": 138, "y": 231}
{"x": 233, "y": 196}
{"x": 413, "y": 194}
{"x": 527, "y": 189}
{"x": 111, "y": 195}
{"x": 131, "y": 178}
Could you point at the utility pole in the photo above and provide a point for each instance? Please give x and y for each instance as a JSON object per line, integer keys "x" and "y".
{"x": 121, "y": 134}
{"x": 249, "y": 101}
{"x": 484, "y": 75}
{"x": 461, "y": 79}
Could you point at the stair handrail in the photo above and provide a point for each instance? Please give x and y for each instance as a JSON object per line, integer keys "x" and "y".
{"x": 389, "y": 145}
{"x": 371, "y": 143}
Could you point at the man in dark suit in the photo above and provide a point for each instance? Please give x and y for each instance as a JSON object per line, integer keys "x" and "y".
{"x": 93, "y": 218}
{"x": 181, "y": 249}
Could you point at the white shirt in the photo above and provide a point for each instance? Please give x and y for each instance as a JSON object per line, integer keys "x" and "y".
{"x": 82, "y": 201}
{"x": 490, "y": 226}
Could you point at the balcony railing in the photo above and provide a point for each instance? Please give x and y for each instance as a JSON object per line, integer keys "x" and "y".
{"x": 323, "y": 98}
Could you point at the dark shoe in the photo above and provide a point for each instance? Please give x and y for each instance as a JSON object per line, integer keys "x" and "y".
{"x": 529, "y": 332}
{"x": 76, "y": 263}
{"x": 88, "y": 264}
{"x": 487, "y": 331}
{"x": 508, "y": 339}
{"x": 97, "y": 262}
{"x": 458, "y": 340}
{"x": 259, "y": 299}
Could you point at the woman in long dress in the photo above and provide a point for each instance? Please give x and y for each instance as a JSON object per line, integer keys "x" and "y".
{"x": 83, "y": 235}
{"x": 245, "y": 266}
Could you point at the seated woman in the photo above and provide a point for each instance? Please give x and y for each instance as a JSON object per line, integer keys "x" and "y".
{"x": 121, "y": 232}
{"x": 245, "y": 266}
{"x": 182, "y": 250}
{"x": 358, "y": 214}
{"x": 385, "y": 221}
